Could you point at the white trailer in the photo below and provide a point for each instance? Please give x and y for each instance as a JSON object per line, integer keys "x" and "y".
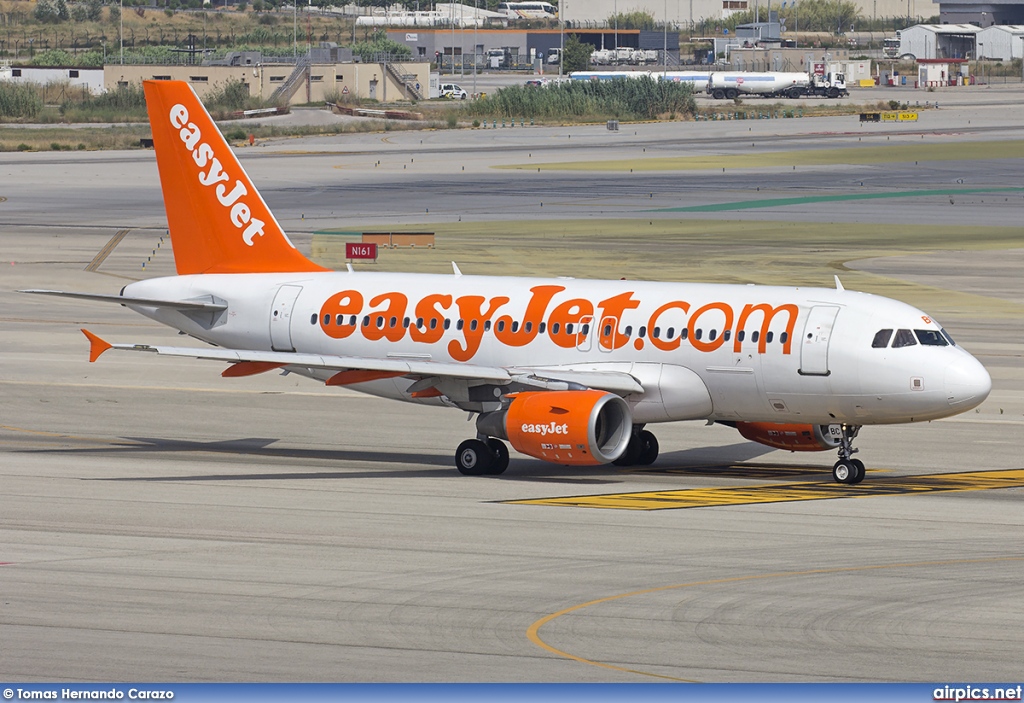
{"x": 697, "y": 79}
{"x": 607, "y": 75}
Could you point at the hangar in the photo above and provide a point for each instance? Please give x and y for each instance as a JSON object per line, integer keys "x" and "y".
{"x": 1001, "y": 42}
{"x": 938, "y": 41}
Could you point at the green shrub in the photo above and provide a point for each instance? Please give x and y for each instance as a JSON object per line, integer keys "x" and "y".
{"x": 624, "y": 98}
{"x": 24, "y": 147}
{"x": 19, "y": 101}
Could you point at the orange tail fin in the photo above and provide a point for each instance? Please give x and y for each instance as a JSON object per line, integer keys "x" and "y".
{"x": 217, "y": 219}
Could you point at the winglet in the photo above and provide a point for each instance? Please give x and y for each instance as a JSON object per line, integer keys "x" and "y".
{"x": 96, "y": 345}
{"x": 839, "y": 284}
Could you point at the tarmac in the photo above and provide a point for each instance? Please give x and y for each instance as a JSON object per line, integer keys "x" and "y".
{"x": 161, "y": 523}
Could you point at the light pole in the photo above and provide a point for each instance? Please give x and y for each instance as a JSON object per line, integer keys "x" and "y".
{"x": 120, "y": 31}
{"x": 664, "y": 45}
{"x": 476, "y": 24}
{"x": 295, "y": 29}
{"x": 561, "y": 38}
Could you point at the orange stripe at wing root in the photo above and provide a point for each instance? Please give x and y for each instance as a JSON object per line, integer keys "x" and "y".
{"x": 96, "y": 345}
{"x": 344, "y": 378}
{"x": 249, "y": 368}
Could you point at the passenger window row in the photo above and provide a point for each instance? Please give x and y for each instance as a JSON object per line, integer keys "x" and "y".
{"x": 381, "y": 321}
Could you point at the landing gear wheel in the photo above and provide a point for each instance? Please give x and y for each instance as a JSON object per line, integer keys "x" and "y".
{"x": 848, "y": 470}
{"x": 844, "y": 471}
{"x": 632, "y": 454}
{"x": 648, "y": 448}
{"x": 474, "y": 458}
{"x": 861, "y": 471}
{"x": 500, "y": 453}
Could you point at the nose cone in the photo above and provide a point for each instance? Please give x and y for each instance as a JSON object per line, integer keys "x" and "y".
{"x": 967, "y": 383}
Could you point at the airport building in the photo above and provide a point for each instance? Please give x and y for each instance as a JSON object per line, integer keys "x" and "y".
{"x": 983, "y": 13}
{"x": 64, "y": 77}
{"x": 311, "y": 78}
{"x": 520, "y": 48}
{"x": 1001, "y": 42}
{"x": 939, "y": 41}
{"x": 701, "y": 15}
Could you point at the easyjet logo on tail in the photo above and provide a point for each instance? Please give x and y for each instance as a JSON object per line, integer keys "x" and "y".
{"x": 239, "y": 211}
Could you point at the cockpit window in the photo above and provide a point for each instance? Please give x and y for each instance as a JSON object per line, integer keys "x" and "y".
{"x": 881, "y": 340}
{"x": 931, "y": 338}
{"x": 948, "y": 338}
{"x": 904, "y": 338}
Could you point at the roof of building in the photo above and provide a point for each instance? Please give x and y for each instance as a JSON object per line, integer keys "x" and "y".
{"x": 946, "y": 28}
{"x": 1014, "y": 29}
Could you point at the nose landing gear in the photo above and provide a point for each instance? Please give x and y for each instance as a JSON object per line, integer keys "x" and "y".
{"x": 848, "y": 470}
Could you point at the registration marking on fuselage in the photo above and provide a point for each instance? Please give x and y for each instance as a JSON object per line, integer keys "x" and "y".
{"x": 790, "y": 492}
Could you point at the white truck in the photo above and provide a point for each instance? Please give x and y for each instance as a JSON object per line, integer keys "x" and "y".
{"x": 825, "y": 81}
{"x": 732, "y": 84}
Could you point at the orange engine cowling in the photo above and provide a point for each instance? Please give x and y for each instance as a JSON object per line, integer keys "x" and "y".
{"x": 564, "y": 427}
{"x": 795, "y": 438}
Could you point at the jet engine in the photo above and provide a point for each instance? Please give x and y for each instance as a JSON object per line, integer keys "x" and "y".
{"x": 795, "y": 438}
{"x": 580, "y": 428}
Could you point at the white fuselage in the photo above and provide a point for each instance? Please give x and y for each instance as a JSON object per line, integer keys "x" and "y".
{"x": 748, "y": 353}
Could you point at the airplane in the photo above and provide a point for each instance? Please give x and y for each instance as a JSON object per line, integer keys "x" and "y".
{"x": 568, "y": 371}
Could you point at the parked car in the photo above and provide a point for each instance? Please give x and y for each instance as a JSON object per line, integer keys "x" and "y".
{"x": 452, "y": 91}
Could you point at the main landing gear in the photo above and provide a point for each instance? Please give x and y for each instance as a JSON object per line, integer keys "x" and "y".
{"x": 482, "y": 457}
{"x": 642, "y": 449}
{"x": 847, "y": 469}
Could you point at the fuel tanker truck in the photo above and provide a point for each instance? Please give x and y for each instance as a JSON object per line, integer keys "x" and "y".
{"x": 823, "y": 82}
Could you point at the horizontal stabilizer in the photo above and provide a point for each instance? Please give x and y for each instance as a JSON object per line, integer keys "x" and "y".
{"x": 206, "y": 306}
{"x": 96, "y": 345}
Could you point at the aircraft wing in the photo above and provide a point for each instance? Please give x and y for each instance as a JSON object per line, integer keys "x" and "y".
{"x": 354, "y": 369}
{"x": 208, "y": 305}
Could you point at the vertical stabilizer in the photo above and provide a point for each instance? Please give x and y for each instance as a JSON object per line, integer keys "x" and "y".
{"x": 217, "y": 219}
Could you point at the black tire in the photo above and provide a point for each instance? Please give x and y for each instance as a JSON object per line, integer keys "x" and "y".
{"x": 473, "y": 458}
{"x": 833, "y": 93}
{"x": 632, "y": 453}
{"x": 718, "y": 94}
{"x": 861, "y": 471}
{"x": 731, "y": 94}
{"x": 795, "y": 93}
{"x": 648, "y": 449}
{"x": 500, "y": 453}
{"x": 844, "y": 471}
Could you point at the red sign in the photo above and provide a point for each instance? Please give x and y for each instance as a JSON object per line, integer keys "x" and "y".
{"x": 360, "y": 250}
{"x": 819, "y": 69}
